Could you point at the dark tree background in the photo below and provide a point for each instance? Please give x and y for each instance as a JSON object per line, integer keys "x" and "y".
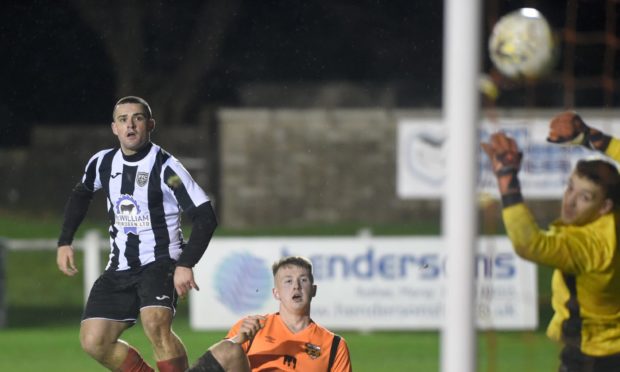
{"x": 68, "y": 61}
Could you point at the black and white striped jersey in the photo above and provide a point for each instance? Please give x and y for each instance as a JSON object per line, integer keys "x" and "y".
{"x": 146, "y": 193}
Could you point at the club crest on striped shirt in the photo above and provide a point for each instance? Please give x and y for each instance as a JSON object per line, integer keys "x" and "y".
{"x": 142, "y": 178}
{"x": 314, "y": 351}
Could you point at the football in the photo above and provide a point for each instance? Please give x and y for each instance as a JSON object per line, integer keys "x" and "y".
{"x": 521, "y": 44}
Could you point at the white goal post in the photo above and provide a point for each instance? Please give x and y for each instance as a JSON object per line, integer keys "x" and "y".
{"x": 461, "y": 68}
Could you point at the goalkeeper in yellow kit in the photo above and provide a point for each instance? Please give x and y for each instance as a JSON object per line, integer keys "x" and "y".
{"x": 582, "y": 245}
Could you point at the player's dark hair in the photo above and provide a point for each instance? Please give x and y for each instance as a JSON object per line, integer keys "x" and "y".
{"x": 134, "y": 99}
{"x": 604, "y": 174}
{"x": 298, "y": 261}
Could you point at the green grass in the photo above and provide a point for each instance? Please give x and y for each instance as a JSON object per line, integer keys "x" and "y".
{"x": 56, "y": 348}
{"x": 45, "y": 306}
{"x": 44, "y": 286}
{"x": 44, "y": 309}
{"x": 16, "y": 226}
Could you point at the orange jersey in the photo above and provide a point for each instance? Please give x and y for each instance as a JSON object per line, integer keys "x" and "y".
{"x": 275, "y": 347}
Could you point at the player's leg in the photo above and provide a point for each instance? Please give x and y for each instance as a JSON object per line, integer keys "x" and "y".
{"x": 222, "y": 356}
{"x": 112, "y": 307}
{"x": 158, "y": 301}
{"x": 100, "y": 339}
{"x": 169, "y": 350}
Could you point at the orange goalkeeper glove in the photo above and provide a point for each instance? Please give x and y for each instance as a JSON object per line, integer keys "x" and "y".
{"x": 568, "y": 128}
{"x": 505, "y": 161}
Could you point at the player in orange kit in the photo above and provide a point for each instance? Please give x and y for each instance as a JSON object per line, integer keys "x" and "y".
{"x": 288, "y": 340}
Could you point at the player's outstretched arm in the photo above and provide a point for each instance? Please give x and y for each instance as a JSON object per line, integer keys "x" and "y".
{"x": 569, "y": 128}
{"x": 506, "y": 161}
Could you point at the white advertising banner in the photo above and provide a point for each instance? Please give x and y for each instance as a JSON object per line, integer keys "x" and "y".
{"x": 364, "y": 283}
{"x": 422, "y": 146}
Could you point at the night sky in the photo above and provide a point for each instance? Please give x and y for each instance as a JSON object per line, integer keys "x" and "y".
{"x": 55, "y": 67}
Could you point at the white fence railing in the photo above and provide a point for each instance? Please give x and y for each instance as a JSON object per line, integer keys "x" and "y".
{"x": 91, "y": 245}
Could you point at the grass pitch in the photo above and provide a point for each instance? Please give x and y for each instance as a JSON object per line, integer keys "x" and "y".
{"x": 56, "y": 348}
{"x": 44, "y": 310}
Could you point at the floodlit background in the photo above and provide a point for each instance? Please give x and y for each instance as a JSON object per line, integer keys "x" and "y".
{"x": 286, "y": 112}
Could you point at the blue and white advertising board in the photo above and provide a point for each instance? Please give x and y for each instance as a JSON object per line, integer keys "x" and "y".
{"x": 423, "y": 143}
{"x": 364, "y": 283}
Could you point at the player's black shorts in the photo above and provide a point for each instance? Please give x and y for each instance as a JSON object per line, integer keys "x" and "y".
{"x": 573, "y": 360}
{"x": 120, "y": 295}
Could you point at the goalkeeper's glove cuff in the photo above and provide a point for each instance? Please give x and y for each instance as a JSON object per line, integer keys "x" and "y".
{"x": 511, "y": 199}
{"x": 597, "y": 140}
{"x": 508, "y": 183}
{"x": 507, "y": 170}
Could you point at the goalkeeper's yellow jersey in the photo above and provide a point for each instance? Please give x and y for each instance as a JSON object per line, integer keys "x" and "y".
{"x": 586, "y": 282}
{"x": 613, "y": 149}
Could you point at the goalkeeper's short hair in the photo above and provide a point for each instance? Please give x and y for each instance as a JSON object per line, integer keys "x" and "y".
{"x": 603, "y": 173}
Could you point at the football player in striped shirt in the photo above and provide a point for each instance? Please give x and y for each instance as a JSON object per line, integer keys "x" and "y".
{"x": 288, "y": 340}
{"x": 150, "y": 264}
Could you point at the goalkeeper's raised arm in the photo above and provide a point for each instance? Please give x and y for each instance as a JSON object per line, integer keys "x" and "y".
{"x": 570, "y": 129}
{"x": 505, "y": 159}
{"x": 581, "y": 245}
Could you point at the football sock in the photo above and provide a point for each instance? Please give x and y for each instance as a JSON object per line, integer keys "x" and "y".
{"x": 178, "y": 364}
{"x": 134, "y": 363}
